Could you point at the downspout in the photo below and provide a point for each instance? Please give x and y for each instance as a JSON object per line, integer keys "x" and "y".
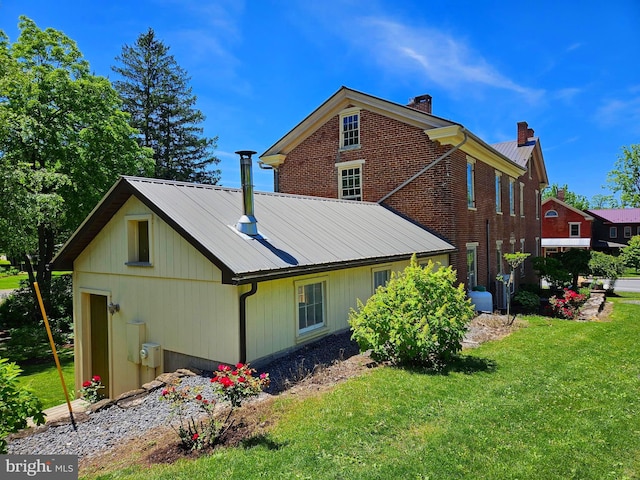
{"x": 488, "y": 256}
{"x": 432, "y": 164}
{"x": 243, "y": 321}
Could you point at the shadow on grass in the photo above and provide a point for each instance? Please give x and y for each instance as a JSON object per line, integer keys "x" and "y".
{"x": 466, "y": 364}
{"x": 38, "y": 365}
{"x": 262, "y": 440}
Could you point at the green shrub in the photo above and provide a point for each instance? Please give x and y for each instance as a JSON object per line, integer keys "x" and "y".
{"x": 419, "y": 318}
{"x": 603, "y": 265}
{"x": 552, "y": 270}
{"x": 528, "y": 301}
{"x": 16, "y": 404}
{"x": 20, "y": 314}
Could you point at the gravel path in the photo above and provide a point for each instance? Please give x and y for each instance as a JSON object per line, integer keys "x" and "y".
{"x": 109, "y": 427}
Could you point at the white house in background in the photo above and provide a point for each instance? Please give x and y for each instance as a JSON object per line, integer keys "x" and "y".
{"x": 163, "y": 267}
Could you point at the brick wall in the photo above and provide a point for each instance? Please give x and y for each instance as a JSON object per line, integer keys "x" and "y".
{"x": 394, "y": 151}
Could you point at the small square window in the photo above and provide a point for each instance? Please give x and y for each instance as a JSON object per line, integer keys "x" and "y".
{"x": 139, "y": 234}
{"x": 381, "y": 278}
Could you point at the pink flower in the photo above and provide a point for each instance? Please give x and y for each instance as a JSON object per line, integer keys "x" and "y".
{"x": 226, "y": 382}
{"x": 263, "y": 376}
{"x": 165, "y": 392}
{"x": 234, "y": 373}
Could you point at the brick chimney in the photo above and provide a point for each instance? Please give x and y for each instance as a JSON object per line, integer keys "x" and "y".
{"x": 523, "y": 133}
{"x": 560, "y": 194}
{"x": 422, "y": 103}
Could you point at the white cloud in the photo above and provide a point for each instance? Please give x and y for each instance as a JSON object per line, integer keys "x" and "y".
{"x": 441, "y": 58}
{"x": 619, "y": 111}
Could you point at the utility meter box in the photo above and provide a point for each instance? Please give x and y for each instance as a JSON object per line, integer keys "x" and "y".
{"x": 150, "y": 355}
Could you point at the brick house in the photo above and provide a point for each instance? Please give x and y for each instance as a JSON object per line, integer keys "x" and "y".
{"x": 483, "y": 199}
{"x": 564, "y": 226}
{"x": 613, "y": 227}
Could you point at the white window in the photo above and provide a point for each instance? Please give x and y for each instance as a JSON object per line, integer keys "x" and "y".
{"x": 538, "y": 205}
{"x": 498, "y": 192}
{"x": 574, "y": 229}
{"x": 499, "y": 256}
{"x": 471, "y": 180}
{"x": 350, "y": 180}
{"x": 310, "y": 298}
{"x": 613, "y": 232}
{"x": 551, "y": 213}
{"x": 627, "y": 232}
{"x": 521, "y": 199}
{"x": 380, "y": 277}
{"x": 139, "y": 236}
{"x": 522, "y": 269}
{"x": 350, "y": 129}
{"x": 512, "y": 199}
{"x": 472, "y": 265}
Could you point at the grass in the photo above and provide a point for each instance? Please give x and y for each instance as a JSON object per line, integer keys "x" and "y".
{"x": 556, "y": 400}
{"x": 44, "y": 380}
{"x": 12, "y": 281}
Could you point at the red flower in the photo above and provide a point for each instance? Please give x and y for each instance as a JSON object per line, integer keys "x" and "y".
{"x": 198, "y": 397}
{"x": 214, "y": 379}
{"x": 263, "y": 376}
{"x": 239, "y": 365}
{"x": 96, "y": 378}
{"x": 195, "y": 436}
{"x": 226, "y": 382}
{"x": 241, "y": 379}
{"x": 205, "y": 401}
{"x": 234, "y": 373}
{"x": 86, "y": 384}
{"x": 165, "y": 392}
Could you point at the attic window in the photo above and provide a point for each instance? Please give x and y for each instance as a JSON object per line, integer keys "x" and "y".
{"x": 551, "y": 213}
{"x": 350, "y": 129}
{"x": 139, "y": 233}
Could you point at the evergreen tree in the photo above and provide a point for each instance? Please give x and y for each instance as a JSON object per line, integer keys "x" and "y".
{"x": 156, "y": 93}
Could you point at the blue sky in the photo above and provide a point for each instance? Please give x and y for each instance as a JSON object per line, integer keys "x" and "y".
{"x": 570, "y": 69}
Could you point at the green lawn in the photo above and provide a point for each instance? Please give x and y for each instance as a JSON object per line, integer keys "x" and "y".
{"x": 556, "y": 400}
{"x": 44, "y": 380}
{"x": 11, "y": 282}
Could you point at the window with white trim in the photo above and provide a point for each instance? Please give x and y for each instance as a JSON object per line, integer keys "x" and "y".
{"x": 512, "y": 199}
{"x": 550, "y": 214}
{"x": 574, "y": 229}
{"x": 471, "y": 180}
{"x": 350, "y": 180}
{"x": 350, "y": 129}
{"x": 472, "y": 265}
{"x": 538, "y": 205}
{"x": 311, "y": 301}
{"x": 380, "y": 277}
{"x": 499, "y": 257}
{"x": 521, "y": 199}
{"x": 498, "y": 192}
{"x": 627, "y": 232}
{"x": 139, "y": 240}
{"x": 522, "y": 265}
{"x": 613, "y": 232}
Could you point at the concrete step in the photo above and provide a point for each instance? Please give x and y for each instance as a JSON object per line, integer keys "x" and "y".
{"x": 61, "y": 412}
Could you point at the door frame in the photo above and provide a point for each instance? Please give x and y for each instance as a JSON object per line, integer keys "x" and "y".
{"x": 83, "y": 338}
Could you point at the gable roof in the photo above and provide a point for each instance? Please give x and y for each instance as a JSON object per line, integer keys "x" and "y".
{"x": 436, "y": 128}
{"x": 298, "y": 234}
{"x": 618, "y": 215}
{"x": 523, "y": 154}
{"x": 567, "y": 206}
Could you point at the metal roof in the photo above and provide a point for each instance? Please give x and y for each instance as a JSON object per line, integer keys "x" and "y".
{"x": 519, "y": 155}
{"x": 618, "y": 215}
{"x": 297, "y": 234}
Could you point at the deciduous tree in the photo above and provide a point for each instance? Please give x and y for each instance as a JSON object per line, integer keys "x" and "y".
{"x": 574, "y": 199}
{"x": 63, "y": 142}
{"x": 631, "y": 253}
{"x": 625, "y": 176}
{"x": 157, "y": 95}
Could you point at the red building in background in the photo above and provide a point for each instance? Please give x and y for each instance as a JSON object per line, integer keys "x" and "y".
{"x": 564, "y": 226}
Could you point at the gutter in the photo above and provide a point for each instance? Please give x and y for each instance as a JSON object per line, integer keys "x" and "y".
{"x": 432, "y": 164}
{"x": 243, "y": 321}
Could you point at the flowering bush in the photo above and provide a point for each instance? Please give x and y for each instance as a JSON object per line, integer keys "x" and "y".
{"x": 89, "y": 390}
{"x": 231, "y": 384}
{"x": 568, "y": 306}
